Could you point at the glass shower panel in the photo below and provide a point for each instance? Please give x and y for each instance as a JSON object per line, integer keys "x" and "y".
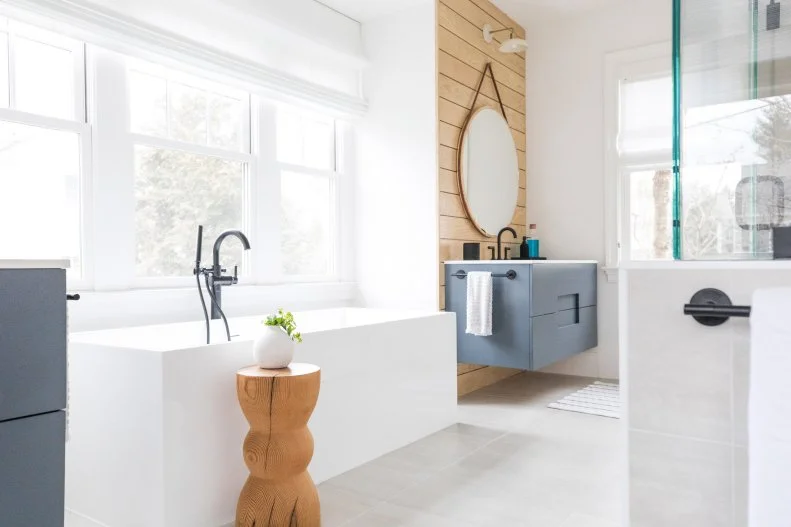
{"x": 734, "y": 126}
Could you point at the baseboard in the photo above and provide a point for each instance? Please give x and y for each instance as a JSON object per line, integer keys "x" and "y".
{"x": 476, "y": 379}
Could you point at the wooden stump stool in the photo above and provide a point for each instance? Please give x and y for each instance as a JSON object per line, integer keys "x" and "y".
{"x": 278, "y": 403}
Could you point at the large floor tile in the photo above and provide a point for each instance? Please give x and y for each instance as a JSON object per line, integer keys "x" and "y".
{"x": 510, "y": 462}
{"x": 380, "y": 479}
{"x": 459, "y": 494}
{"x": 339, "y": 505}
{"x": 580, "y": 520}
{"x": 388, "y": 515}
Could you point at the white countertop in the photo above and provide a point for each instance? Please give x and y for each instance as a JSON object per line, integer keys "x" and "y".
{"x": 520, "y": 262}
{"x": 34, "y": 264}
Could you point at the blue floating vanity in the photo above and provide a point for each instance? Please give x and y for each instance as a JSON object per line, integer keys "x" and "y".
{"x": 545, "y": 313}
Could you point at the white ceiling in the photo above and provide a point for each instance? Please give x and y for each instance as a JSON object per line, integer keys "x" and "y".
{"x": 526, "y": 12}
{"x": 363, "y": 10}
{"x": 529, "y": 12}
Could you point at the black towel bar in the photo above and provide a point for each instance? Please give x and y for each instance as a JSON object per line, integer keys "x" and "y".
{"x": 712, "y": 307}
{"x": 510, "y": 274}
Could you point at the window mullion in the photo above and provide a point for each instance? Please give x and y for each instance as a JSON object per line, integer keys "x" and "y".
{"x": 344, "y": 204}
{"x": 267, "y": 260}
{"x": 113, "y": 182}
{"x": 11, "y": 71}
{"x": 80, "y": 84}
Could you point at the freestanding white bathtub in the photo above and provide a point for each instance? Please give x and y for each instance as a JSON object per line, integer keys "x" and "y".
{"x": 156, "y": 430}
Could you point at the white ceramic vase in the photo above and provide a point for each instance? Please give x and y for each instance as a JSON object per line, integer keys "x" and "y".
{"x": 273, "y": 349}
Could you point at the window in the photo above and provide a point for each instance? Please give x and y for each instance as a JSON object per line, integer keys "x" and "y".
{"x": 192, "y": 164}
{"x": 307, "y": 151}
{"x": 643, "y": 160}
{"x": 113, "y": 162}
{"x": 44, "y": 145}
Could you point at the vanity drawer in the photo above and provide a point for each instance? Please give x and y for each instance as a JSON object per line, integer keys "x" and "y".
{"x": 560, "y": 335}
{"x": 32, "y": 341}
{"x": 561, "y": 287}
{"x": 32, "y": 471}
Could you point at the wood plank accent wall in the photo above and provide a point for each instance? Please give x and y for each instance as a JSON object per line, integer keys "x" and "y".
{"x": 461, "y": 56}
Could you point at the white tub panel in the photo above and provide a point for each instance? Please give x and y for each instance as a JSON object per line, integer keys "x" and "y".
{"x": 178, "y": 429}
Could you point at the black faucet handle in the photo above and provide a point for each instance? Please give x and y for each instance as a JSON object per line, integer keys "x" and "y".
{"x": 507, "y": 249}
{"x": 492, "y": 248}
{"x": 235, "y": 274}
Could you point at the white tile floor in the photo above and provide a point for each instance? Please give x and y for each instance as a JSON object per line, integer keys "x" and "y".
{"x": 509, "y": 462}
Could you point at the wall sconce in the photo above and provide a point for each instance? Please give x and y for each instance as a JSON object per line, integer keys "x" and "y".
{"x": 512, "y": 45}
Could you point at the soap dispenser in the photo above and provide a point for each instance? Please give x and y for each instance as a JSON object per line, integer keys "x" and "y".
{"x": 524, "y": 249}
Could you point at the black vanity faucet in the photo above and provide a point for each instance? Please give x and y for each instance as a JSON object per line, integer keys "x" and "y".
{"x": 499, "y": 240}
{"x": 216, "y": 279}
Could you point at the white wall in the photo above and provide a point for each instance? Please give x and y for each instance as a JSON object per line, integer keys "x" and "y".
{"x": 302, "y": 37}
{"x": 396, "y": 190}
{"x": 566, "y": 145}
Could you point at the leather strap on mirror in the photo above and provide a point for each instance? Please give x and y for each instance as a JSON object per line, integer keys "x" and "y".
{"x": 488, "y": 67}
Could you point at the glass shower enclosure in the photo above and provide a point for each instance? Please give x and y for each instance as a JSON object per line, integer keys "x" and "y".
{"x": 731, "y": 127}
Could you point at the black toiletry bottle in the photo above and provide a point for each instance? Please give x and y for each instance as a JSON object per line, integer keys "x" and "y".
{"x": 524, "y": 251}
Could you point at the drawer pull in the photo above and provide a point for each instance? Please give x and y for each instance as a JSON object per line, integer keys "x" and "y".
{"x": 73, "y": 298}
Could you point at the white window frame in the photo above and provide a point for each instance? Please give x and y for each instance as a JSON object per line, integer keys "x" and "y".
{"x": 79, "y": 126}
{"x": 107, "y": 150}
{"x": 334, "y": 176}
{"x": 644, "y": 62}
{"x": 245, "y": 155}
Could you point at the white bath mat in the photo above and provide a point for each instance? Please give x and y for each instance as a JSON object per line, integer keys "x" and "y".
{"x": 600, "y": 398}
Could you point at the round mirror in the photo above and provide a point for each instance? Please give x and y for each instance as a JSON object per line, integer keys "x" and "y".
{"x": 489, "y": 171}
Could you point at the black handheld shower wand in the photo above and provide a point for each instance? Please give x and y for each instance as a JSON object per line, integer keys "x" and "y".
{"x": 198, "y": 271}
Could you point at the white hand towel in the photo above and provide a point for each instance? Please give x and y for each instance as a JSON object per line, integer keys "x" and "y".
{"x": 479, "y": 304}
{"x": 770, "y": 409}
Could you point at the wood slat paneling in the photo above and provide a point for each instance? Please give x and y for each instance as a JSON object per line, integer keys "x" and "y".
{"x": 451, "y": 205}
{"x": 466, "y": 53}
{"x": 470, "y": 77}
{"x": 479, "y": 17}
{"x": 477, "y": 379}
{"x": 447, "y": 158}
{"x": 467, "y": 368}
{"x": 520, "y": 216}
{"x": 462, "y": 56}
{"x": 449, "y": 136}
{"x": 472, "y": 35}
{"x": 455, "y": 115}
{"x": 448, "y": 182}
{"x": 461, "y": 95}
{"x": 505, "y": 20}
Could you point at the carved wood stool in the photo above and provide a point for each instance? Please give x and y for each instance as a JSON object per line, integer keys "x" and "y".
{"x": 278, "y": 448}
